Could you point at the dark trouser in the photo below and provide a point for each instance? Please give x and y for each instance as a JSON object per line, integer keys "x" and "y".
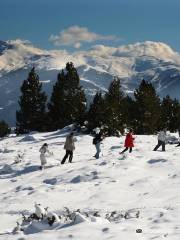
{"x": 160, "y": 143}
{"x": 130, "y": 149}
{"x": 68, "y": 153}
{"x": 98, "y": 150}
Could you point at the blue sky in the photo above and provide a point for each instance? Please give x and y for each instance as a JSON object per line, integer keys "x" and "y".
{"x": 115, "y": 22}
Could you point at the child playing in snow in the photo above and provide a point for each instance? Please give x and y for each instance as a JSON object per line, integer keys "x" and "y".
{"x": 43, "y": 150}
{"x": 129, "y": 142}
{"x": 97, "y": 142}
{"x": 161, "y": 140}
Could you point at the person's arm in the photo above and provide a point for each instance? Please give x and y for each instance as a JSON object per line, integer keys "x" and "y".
{"x": 132, "y": 137}
{"x": 65, "y": 144}
{"x": 47, "y": 150}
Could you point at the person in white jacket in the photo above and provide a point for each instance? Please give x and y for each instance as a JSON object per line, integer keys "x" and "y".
{"x": 43, "y": 150}
{"x": 161, "y": 140}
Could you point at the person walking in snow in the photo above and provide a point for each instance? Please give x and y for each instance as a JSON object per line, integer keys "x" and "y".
{"x": 43, "y": 150}
{"x": 97, "y": 142}
{"x": 69, "y": 147}
{"x": 161, "y": 140}
{"x": 129, "y": 142}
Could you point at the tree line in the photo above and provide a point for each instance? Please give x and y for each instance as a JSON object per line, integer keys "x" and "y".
{"x": 113, "y": 111}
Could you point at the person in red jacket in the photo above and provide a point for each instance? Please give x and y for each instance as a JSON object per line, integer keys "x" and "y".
{"x": 129, "y": 142}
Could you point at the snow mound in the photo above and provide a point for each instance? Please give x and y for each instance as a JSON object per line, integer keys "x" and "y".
{"x": 36, "y": 227}
{"x": 172, "y": 139}
{"x": 28, "y": 138}
{"x": 43, "y": 219}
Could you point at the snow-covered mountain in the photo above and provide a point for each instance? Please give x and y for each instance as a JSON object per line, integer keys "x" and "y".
{"x": 152, "y": 61}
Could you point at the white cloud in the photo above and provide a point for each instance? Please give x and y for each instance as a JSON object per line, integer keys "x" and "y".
{"x": 116, "y": 60}
{"x": 21, "y": 53}
{"x": 148, "y": 48}
{"x": 18, "y": 55}
{"x": 75, "y": 36}
{"x": 77, "y": 45}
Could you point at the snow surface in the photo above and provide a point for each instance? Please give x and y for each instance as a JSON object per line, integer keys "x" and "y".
{"x": 144, "y": 180}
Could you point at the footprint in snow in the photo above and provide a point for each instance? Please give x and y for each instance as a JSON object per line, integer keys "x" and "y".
{"x": 153, "y": 161}
{"x": 51, "y": 181}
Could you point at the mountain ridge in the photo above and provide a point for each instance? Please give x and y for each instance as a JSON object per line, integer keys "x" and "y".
{"x": 152, "y": 61}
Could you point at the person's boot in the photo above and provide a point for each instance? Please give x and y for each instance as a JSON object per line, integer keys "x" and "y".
{"x": 63, "y": 161}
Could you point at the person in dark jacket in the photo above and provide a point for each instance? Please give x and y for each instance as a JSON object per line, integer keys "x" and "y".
{"x": 69, "y": 147}
{"x": 179, "y": 138}
{"x": 129, "y": 142}
{"x": 97, "y": 142}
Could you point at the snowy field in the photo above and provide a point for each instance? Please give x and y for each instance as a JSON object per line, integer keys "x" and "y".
{"x": 143, "y": 182}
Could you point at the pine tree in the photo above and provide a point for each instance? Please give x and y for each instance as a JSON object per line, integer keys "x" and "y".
{"x": 4, "y": 129}
{"x": 129, "y": 113}
{"x": 147, "y": 108}
{"x": 178, "y": 120}
{"x": 113, "y": 111}
{"x": 57, "y": 107}
{"x": 170, "y": 110}
{"x": 175, "y": 123}
{"x": 32, "y": 113}
{"x": 96, "y": 112}
{"x": 68, "y": 102}
{"x": 166, "y": 112}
